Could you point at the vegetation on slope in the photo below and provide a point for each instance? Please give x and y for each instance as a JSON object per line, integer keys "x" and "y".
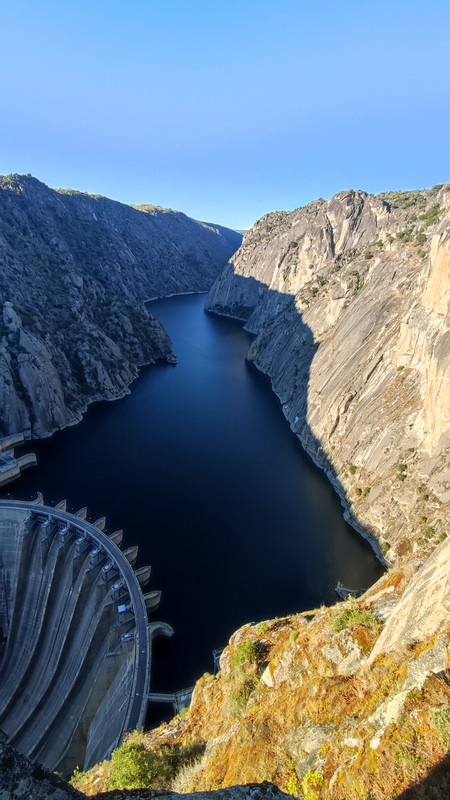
{"x": 300, "y": 703}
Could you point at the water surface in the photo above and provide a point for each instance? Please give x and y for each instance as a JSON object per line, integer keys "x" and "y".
{"x": 200, "y": 468}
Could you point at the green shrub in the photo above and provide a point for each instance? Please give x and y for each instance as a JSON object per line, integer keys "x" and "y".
{"x": 405, "y": 235}
{"x": 421, "y": 238}
{"x": 353, "y": 616}
{"x": 432, "y": 215}
{"x": 358, "y": 491}
{"x": 368, "y": 254}
{"x": 352, "y": 469}
{"x": 261, "y": 627}
{"x": 134, "y": 767}
{"x": 245, "y": 651}
{"x": 293, "y": 635}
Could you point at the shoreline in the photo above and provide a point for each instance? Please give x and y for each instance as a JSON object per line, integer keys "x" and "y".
{"x": 80, "y": 413}
{"x": 339, "y": 490}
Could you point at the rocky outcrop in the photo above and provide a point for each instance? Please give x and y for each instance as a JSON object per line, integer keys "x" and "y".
{"x": 349, "y": 701}
{"x": 21, "y": 779}
{"x": 74, "y": 272}
{"x": 349, "y": 303}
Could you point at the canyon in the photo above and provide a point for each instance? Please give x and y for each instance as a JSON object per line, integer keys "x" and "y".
{"x": 75, "y": 270}
{"x": 348, "y": 301}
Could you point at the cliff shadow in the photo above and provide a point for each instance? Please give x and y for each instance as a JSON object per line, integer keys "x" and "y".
{"x": 283, "y": 350}
{"x": 436, "y": 784}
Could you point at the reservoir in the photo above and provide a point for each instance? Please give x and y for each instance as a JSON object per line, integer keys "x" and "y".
{"x": 200, "y": 469}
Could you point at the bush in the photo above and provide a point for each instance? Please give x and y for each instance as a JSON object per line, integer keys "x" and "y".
{"x": 132, "y": 766}
{"x": 431, "y": 216}
{"x": 262, "y": 627}
{"x": 421, "y": 238}
{"x": 135, "y": 767}
{"x": 405, "y": 235}
{"x": 246, "y": 651}
{"x": 353, "y": 616}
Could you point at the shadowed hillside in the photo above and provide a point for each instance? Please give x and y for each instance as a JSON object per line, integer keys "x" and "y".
{"x": 74, "y": 272}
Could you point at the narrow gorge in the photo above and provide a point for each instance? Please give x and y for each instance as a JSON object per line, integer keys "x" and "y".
{"x": 75, "y": 271}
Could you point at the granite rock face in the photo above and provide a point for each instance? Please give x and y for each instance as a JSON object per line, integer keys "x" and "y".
{"x": 74, "y": 272}
{"x": 349, "y": 301}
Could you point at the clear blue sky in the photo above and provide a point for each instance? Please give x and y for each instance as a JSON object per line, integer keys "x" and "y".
{"x": 226, "y": 110}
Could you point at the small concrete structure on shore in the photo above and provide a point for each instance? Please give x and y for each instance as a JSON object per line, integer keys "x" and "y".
{"x": 75, "y": 638}
{"x": 10, "y": 466}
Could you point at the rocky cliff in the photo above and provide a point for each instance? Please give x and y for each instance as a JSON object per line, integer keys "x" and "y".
{"x": 349, "y": 301}
{"x": 348, "y": 702}
{"x": 74, "y": 271}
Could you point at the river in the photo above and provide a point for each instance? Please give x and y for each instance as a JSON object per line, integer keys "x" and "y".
{"x": 201, "y": 470}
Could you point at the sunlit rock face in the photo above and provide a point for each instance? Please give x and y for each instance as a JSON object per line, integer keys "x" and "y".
{"x": 350, "y": 700}
{"x": 74, "y": 272}
{"x": 349, "y": 300}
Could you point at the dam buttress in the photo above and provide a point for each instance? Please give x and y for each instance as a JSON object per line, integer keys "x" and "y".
{"x": 75, "y": 637}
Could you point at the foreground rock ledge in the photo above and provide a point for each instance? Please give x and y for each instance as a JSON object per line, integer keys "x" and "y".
{"x": 22, "y": 778}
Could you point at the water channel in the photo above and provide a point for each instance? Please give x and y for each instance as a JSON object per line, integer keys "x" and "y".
{"x": 199, "y": 468}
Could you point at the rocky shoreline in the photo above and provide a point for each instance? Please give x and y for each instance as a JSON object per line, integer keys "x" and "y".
{"x": 74, "y": 271}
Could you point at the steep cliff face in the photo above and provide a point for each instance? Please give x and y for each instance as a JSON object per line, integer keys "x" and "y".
{"x": 74, "y": 271}
{"x": 349, "y": 301}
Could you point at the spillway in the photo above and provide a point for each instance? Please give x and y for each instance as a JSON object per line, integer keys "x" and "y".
{"x": 75, "y": 639}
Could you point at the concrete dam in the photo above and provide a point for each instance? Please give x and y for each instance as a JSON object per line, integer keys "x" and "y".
{"x": 75, "y": 637}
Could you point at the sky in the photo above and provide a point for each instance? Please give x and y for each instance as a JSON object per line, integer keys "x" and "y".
{"x": 226, "y": 110}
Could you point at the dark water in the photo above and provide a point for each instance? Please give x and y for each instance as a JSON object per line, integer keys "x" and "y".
{"x": 201, "y": 470}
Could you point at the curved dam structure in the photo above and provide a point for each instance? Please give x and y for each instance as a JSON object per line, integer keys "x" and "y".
{"x": 75, "y": 641}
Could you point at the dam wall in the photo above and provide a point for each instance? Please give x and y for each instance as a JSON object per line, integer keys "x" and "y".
{"x": 75, "y": 647}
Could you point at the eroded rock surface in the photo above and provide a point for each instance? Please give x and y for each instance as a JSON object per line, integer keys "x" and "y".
{"x": 349, "y": 299}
